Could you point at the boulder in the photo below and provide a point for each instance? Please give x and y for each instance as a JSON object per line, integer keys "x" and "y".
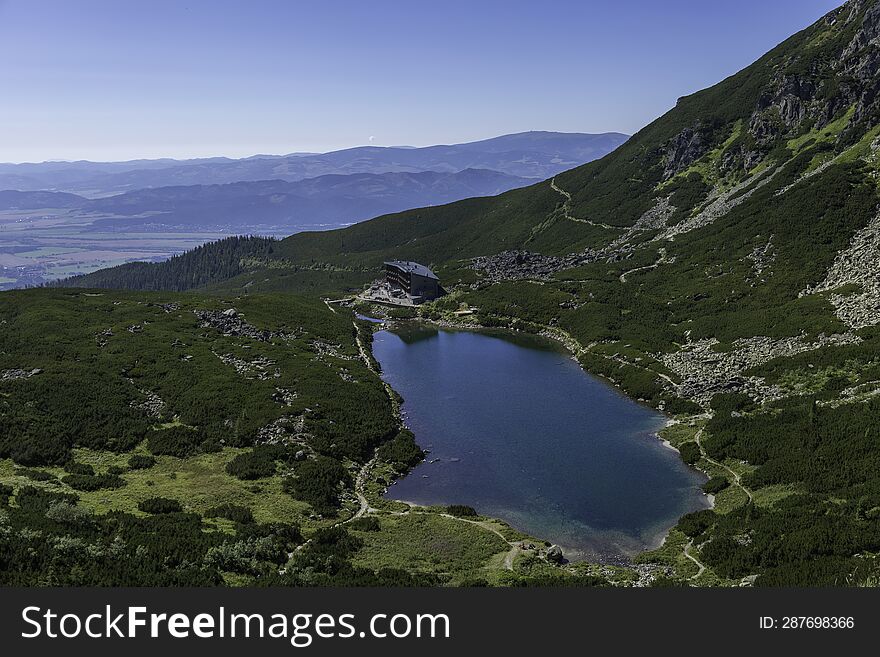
{"x": 554, "y": 554}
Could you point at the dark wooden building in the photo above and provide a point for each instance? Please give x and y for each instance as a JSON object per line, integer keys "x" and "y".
{"x": 414, "y": 279}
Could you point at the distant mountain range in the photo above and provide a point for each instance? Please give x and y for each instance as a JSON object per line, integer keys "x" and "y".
{"x": 276, "y": 204}
{"x": 535, "y": 155}
{"x": 75, "y": 217}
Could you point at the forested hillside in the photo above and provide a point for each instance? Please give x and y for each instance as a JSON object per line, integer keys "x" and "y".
{"x": 210, "y": 263}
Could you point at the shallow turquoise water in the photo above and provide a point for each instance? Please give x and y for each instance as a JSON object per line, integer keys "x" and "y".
{"x": 517, "y": 430}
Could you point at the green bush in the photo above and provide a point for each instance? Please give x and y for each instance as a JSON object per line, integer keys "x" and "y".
{"x": 69, "y": 514}
{"x": 89, "y": 483}
{"x": 38, "y": 500}
{"x": 36, "y": 475}
{"x": 715, "y": 485}
{"x": 461, "y": 510}
{"x": 690, "y": 452}
{"x": 725, "y": 404}
{"x": 141, "y": 462}
{"x": 256, "y": 464}
{"x": 240, "y": 514}
{"x": 160, "y": 505}
{"x": 679, "y": 406}
{"x": 175, "y": 441}
{"x": 78, "y": 468}
{"x": 318, "y": 482}
{"x": 401, "y": 451}
{"x": 661, "y": 581}
{"x": 365, "y": 524}
{"x": 694, "y": 524}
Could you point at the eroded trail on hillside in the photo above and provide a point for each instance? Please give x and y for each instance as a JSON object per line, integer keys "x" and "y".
{"x": 662, "y": 259}
{"x": 737, "y": 479}
{"x": 566, "y": 209}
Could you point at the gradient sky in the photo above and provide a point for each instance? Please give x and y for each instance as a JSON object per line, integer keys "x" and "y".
{"x": 122, "y": 79}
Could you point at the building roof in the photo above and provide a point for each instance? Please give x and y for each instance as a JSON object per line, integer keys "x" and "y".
{"x": 412, "y": 268}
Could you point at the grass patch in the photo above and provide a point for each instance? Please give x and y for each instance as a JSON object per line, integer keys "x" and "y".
{"x": 827, "y": 133}
{"x": 430, "y": 543}
{"x": 769, "y": 495}
{"x": 199, "y": 482}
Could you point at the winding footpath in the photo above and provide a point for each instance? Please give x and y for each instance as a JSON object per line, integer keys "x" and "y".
{"x": 515, "y": 546}
{"x": 687, "y": 552}
{"x": 359, "y": 486}
{"x": 737, "y": 480}
{"x": 364, "y": 507}
{"x": 661, "y": 260}
{"x": 566, "y": 206}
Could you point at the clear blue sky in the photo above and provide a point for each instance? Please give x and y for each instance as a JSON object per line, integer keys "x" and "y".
{"x": 120, "y": 79}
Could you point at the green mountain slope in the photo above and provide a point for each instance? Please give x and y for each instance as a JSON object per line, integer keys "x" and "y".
{"x": 722, "y": 264}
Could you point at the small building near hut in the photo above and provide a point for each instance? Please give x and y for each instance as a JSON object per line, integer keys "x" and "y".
{"x": 413, "y": 279}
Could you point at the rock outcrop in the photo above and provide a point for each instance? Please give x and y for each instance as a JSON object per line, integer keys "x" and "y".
{"x": 683, "y": 150}
{"x": 9, "y": 375}
{"x": 554, "y": 554}
{"x": 858, "y": 265}
{"x": 705, "y": 371}
{"x": 230, "y": 323}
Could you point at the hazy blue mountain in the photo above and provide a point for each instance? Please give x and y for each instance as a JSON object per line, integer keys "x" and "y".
{"x": 536, "y": 155}
{"x": 332, "y": 199}
{"x": 15, "y": 200}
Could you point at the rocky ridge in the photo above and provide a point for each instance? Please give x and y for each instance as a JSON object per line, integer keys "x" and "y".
{"x": 231, "y": 324}
{"x": 705, "y": 371}
{"x": 9, "y": 375}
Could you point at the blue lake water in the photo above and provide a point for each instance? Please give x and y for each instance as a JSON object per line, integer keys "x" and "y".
{"x": 517, "y": 430}
{"x": 374, "y": 320}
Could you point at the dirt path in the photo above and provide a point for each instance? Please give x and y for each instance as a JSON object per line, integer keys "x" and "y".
{"x": 359, "y": 486}
{"x": 566, "y": 206}
{"x": 661, "y": 260}
{"x": 364, "y": 507}
{"x": 361, "y": 479}
{"x": 737, "y": 480}
{"x": 687, "y": 553}
{"x": 624, "y": 361}
{"x": 515, "y": 546}
{"x": 363, "y": 504}
{"x": 362, "y": 350}
{"x": 511, "y": 556}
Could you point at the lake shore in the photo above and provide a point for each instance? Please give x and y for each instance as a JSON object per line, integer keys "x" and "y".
{"x": 621, "y": 546}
